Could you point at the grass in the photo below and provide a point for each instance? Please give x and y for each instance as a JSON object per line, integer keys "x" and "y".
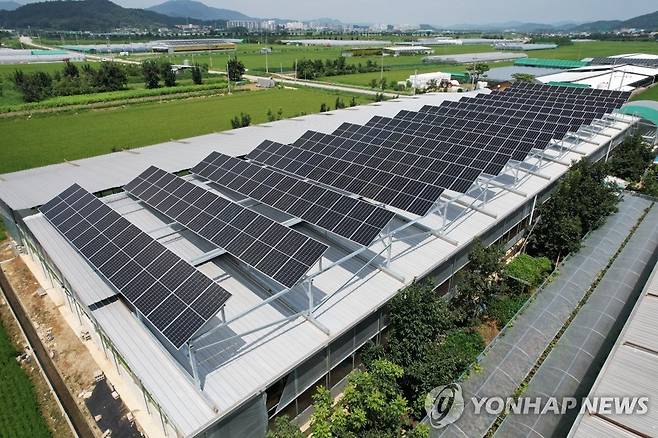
{"x": 650, "y": 94}
{"x": 283, "y": 57}
{"x": 111, "y": 96}
{"x": 19, "y": 408}
{"x": 48, "y": 139}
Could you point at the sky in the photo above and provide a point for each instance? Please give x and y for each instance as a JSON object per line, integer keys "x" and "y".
{"x": 432, "y": 11}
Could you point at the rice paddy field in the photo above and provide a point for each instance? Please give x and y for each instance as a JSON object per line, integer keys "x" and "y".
{"x": 46, "y": 139}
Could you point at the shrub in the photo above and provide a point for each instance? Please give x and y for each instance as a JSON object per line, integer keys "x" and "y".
{"x": 442, "y": 363}
{"x": 531, "y": 270}
{"x": 503, "y": 308}
{"x": 284, "y": 428}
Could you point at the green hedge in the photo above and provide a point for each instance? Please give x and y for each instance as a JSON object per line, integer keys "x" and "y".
{"x": 86, "y": 99}
{"x": 528, "y": 269}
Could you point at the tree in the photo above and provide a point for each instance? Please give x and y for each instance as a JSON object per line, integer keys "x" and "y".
{"x": 353, "y": 101}
{"x": 71, "y": 70}
{"x": 339, "y": 103}
{"x": 284, "y": 428}
{"x": 442, "y": 363}
{"x": 168, "y": 74}
{"x": 630, "y": 159}
{"x": 479, "y": 71}
{"x": 324, "y": 107}
{"x": 34, "y": 86}
{"x": 523, "y": 77}
{"x": 373, "y": 83}
{"x": 241, "y": 121}
{"x": 371, "y": 405}
{"x": 197, "y": 77}
{"x": 151, "y": 74}
{"x": 418, "y": 316}
{"x": 235, "y": 69}
{"x": 556, "y": 232}
{"x": 379, "y": 97}
{"x": 109, "y": 77}
{"x": 478, "y": 281}
{"x": 270, "y": 115}
{"x": 580, "y": 204}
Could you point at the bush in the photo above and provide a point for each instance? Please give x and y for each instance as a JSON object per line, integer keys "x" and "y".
{"x": 442, "y": 363}
{"x": 630, "y": 159}
{"x": 503, "y": 308}
{"x": 284, "y": 428}
{"x": 580, "y": 204}
{"x": 531, "y": 270}
{"x": 418, "y": 317}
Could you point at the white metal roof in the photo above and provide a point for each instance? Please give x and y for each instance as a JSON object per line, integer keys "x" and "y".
{"x": 632, "y": 370}
{"x": 237, "y": 370}
{"x": 34, "y": 187}
{"x": 617, "y": 77}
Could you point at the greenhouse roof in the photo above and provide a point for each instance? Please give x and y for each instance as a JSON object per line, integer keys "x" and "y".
{"x": 551, "y": 63}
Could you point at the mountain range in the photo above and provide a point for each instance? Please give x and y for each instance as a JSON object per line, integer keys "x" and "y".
{"x": 103, "y": 15}
{"x": 85, "y": 15}
{"x": 9, "y": 6}
{"x": 646, "y": 21}
{"x": 196, "y": 10}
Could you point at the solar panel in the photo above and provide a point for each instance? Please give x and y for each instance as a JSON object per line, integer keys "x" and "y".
{"x": 138, "y": 266}
{"x": 277, "y": 251}
{"x": 351, "y": 218}
{"x": 443, "y": 165}
{"x": 334, "y": 168}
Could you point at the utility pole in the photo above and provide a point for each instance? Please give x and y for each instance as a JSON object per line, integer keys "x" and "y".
{"x": 267, "y": 67}
{"x": 228, "y": 76}
{"x": 381, "y": 73}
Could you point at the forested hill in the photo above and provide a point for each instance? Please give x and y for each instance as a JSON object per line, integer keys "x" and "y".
{"x": 86, "y": 15}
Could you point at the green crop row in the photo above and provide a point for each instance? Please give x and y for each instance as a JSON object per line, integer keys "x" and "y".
{"x": 86, "y": 99}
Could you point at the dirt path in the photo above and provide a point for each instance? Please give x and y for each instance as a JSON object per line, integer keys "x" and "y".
{"x": 65, "y": 359}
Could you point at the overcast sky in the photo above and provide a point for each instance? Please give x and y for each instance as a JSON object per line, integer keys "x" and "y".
{"x": 432, "y": 11}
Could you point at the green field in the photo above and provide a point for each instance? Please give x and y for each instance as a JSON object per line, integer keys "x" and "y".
{"x": 650, "y": 94}
{"x": 283, "y": 57}
{"x": 47, "y": 139}
{"x": 593, "y": 49}
{"x": 19, "y": 409}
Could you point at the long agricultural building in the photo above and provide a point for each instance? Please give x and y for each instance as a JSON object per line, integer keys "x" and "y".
{"x": 231, "y": 274}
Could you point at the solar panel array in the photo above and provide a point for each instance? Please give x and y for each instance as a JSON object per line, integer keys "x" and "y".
{"x": 345, "y": 216}
{"x": 173, "y": 296}
{"x": 409, "y": 160}
{"x": 275, "y": 250}
{"x": 335, "y": 167}
{"x": 642, "y": 62}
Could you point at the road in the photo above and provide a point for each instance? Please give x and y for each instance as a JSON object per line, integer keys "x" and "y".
{"x": 287, "y": 80}
{"x": 282, "y": 79}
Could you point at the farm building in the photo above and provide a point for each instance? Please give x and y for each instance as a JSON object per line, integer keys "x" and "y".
{"x": 408, "y": 50}
{"x": 624, "y": 77}
{"x": 467, "y": 58}
{"x": 18, "y": 56}
{"x": 524, "y": 46}
{"x": 228, "y": 293}
{"x": 335, "y": 43}
{"x": 197, "y": 45}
